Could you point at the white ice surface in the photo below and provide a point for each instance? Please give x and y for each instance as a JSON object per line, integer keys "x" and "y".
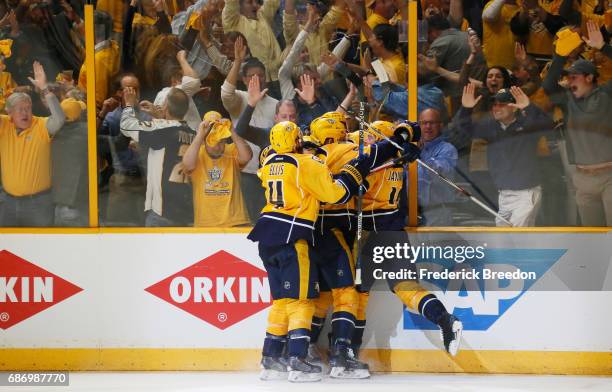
{"x": 248, "y": 381}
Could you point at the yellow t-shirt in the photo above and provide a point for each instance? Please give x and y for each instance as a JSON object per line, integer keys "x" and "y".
{"x": 116, "y": 9}
{"x": 107, "y": 65}
{"x": 217, "y": 198}
{"x": 374, "y": 20}
{"x": 498, "y": 40}
{"x": 396, "y": 68}
{"x": 540, "y": 41}
{"x": 25, "y": 159}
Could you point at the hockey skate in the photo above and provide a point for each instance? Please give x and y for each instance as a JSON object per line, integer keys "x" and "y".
{"x": 302, "y": 371}
{"x": 450, "y": 333}
{"x": 314, "y": 357}
{"x": 273, "y": 368}
{"x": 344, "y": 365}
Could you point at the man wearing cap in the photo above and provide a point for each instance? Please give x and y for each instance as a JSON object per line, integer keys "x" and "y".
{"x": 512, "y": 129}
{"x": 588, "y": 119}
{"x": 25, "y": 157}
{"x": 214, "y": 160}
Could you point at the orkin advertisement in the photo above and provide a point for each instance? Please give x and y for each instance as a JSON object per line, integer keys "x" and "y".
{"x": 210, "y": 291}
{"x": 26, "y": 289}
{"x": 220, "y": 289}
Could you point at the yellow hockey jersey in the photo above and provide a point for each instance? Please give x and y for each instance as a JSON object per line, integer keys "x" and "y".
{"x": 294, "y": 184}
{"x": 380, "y": 203}
{"x": 336, "y": 155}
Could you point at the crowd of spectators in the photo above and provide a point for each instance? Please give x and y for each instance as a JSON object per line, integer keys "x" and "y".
{"x": 514, "y": 101}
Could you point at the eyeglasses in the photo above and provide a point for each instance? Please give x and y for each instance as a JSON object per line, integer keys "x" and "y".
{"x": 425, "y": 123}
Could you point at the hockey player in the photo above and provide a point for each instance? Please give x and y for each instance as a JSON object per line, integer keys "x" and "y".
{"x": 381, "y": 213}
{"x": 294, "y": 185}
{"x": 332, "y": 253}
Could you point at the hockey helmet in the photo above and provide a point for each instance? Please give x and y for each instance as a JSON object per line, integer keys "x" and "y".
{"x": 285, "y": 137}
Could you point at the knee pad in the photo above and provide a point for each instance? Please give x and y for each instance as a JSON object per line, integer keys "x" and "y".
{"x": 363, "y": 305}
{"x": 323, "y": 303}
{"x": 278, "y": 321}
{"x": 346, "y": 299}
{"x": 300, "y": 312}
{"x": 410, "y": 293}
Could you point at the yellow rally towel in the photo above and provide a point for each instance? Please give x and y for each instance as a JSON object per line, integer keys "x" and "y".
{"x": 5, "y": 47}
{"x": 222, "y": 129}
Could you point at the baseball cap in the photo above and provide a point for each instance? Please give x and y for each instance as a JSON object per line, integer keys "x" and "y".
{"x": 582, "y": 66}
{"x": 503, "y": 96}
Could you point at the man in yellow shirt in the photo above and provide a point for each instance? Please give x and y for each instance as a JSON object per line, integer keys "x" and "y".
{"x": 381, "y": 13}
{"x": 497, "y": 38}
{"x": 214, "y": 165}
{"x": 25, "y": 157}
{"x": 254, "y": 21}
{"x": 317, "y": 42}
{"x": 106, "y": 60}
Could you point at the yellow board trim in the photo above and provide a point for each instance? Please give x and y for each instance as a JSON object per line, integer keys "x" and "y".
{"x": 383, "y": 360}
{"x": 92, "y": 142}
{"x": 412, "y": 108}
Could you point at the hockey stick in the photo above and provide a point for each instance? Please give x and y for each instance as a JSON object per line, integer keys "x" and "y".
{"x": 464, "y": 192}
{"x": 360, "y": 199}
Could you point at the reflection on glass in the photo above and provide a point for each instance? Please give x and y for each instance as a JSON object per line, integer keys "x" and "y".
{"x": 43, "y": 132}
{"x": 516, "y": 91}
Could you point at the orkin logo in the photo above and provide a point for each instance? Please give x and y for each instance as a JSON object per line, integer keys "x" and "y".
{"x": 220, "y": 289}
{"x": 26, "y": 289}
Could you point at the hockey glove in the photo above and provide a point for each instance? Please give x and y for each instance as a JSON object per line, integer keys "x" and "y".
{"x": 411, "y": 153}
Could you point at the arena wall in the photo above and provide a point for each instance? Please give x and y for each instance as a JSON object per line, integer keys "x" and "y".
{"x": 198, "y": 301}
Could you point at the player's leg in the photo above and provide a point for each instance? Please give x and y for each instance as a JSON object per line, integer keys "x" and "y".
{"x": 300, "y": 287}
{"x": 339, "y": 274}
{"x": 322, "y": 305}
{"x": 273, "y": 365}
{"x": 421, "y": 301}
{"x": 363, "y": 292}
{"x": 360, "y": 322}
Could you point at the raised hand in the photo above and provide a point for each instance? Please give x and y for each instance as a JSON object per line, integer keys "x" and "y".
{"x": 40, "y": 78}
{"x": 254, "y": 93}
{"x": 468, "y": 99}
{"x": 159, "y": 5}
{"x": 5, "y": 19}
{"x": 181, "y": 56}
{"x": 130, "y": 97}
{"x": 519, "y": 53}
{"x": 522, "y": 100}
{"x": 330, "y": 59}
{"x": 240, "y": 49}
{"x": 313, "y": 18}
{"x": 474, "y": 42}
{"x": 307, "y": 93}
{"x": 154, "y": 110}
{"x": 594, "y": 37}
{"x": 430, "y": 63}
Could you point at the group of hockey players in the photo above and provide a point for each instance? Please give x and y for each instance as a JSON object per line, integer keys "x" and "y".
{"x": 316, "y": 187}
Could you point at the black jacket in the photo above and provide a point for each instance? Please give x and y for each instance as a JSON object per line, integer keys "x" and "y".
{"x": 511, "y": 153}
